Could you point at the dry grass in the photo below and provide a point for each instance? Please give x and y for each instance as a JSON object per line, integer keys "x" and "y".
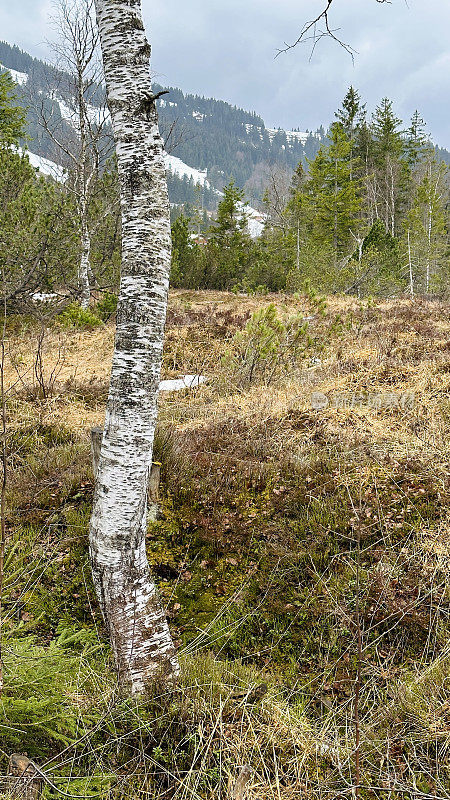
{"x": 262, "y": 496}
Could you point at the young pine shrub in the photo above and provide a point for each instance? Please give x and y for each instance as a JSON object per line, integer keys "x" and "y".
{"x": 267, "y": 347}
{"x": 76, "y": 317}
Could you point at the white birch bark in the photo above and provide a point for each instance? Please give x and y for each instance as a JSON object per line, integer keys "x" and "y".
{"x": 137, "y": 625}
{"x": 84, "y": 180}
{"x": 84, "y": 270}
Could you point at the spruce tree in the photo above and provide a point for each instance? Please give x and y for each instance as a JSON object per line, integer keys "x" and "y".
{"x": 416, "y": 140}
{"x": 229, "y": 244}
{"x": 230, "y": 223}
{"x": 335, "y": 195}
{"x": 350, "y": 112}
{"x": 386, "y": 132}
{"x": 350, "y": 115}
{"x": 12, "y": 116}
{"x": 388, "y": 154}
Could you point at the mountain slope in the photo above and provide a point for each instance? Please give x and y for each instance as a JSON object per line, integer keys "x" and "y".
{"x": 209, "y": 141}
{"x": 212, "y": 136}
{"x": 230, "y": 142}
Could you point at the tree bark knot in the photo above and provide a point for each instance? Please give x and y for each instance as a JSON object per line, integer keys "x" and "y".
{"x": 148, "y": 101}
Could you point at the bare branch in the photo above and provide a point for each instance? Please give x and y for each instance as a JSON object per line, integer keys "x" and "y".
{"x": 311, "y": 32}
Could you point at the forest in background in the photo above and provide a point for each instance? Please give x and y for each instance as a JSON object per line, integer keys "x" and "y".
{"x": 368, "y": 215}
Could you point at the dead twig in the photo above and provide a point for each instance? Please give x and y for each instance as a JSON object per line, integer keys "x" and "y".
{"x": 311, "y": 32}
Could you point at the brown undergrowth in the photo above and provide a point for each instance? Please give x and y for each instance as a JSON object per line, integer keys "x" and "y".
{"x": 267, "y": 489}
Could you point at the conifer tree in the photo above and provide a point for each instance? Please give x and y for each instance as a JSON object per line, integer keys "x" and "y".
{"x": 350, "y": 114}
{"x": 335, "y": 195}
{"x": 230, "y": 223}
{"x": 388, "y": 137}
{"x": 416, "y": 140}
{"x": 12, "y": 116}
{"x": 388, "y": 151}
{"x": 184, "y": 253}
{"x": 229, "y": 244}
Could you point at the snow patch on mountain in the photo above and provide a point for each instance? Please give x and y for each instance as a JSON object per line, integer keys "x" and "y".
{"x": 67, "y": 113}
{"x": 250, "y": 128}
{"x": 47, "y": 167}
{"x": 18, "y": 77}
{"x": 98, "y": 115}
{"x": 291, "y": 136}
{"x": 255, "y": 221}
{"x": 177, "y": 167}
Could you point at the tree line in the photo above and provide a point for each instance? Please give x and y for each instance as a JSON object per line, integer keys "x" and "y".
{"x": 367, "y": 216}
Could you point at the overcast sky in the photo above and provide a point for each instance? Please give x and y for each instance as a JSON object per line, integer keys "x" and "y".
{"x": 226, "y": 49}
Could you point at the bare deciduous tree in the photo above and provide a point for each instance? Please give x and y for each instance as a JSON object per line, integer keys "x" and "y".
{"x": 82, "y": 153}
{"x": 278, "y": 183}
{"x": 130, "y": 603}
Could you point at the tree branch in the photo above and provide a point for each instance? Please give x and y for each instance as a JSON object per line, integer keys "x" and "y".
{"x": 312, "y": 33}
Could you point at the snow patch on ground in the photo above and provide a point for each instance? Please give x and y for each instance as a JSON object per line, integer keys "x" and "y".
{"x": 176, "y": 385}
{"x": 18, "y": 77}
{"x": 42, "y": 297}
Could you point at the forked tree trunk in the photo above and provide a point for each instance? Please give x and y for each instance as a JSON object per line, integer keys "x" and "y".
{"x": 131, "y": 606}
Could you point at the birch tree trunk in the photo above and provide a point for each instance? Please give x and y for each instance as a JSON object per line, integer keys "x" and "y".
{"x": 83, "y": 196}
{"x": 136, "y": 622}
{"x": 84, "y": 269}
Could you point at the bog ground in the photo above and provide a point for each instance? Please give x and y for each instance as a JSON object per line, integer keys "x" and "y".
{"x": 302, "y": 552}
